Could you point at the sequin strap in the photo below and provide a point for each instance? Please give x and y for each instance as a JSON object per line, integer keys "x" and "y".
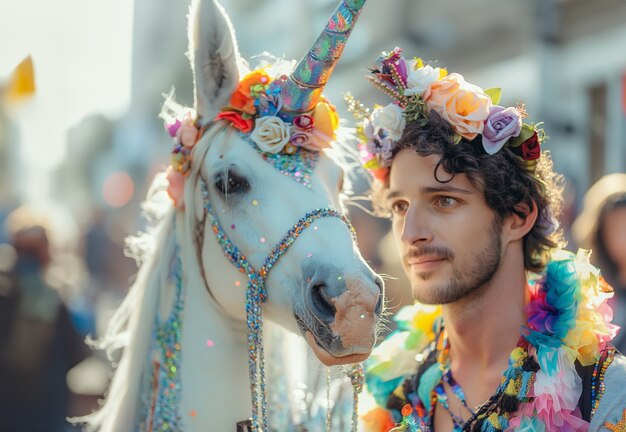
{"x": 162, "y": 402}
{"x": 597, "y": 378}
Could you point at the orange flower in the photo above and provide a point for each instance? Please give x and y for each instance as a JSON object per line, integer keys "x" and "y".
{"x": 407, "y": 410}
{"x": 242, "y": 100}
{"x": 380, "y": 174}
{"x": 463, "y": 105}
{"x": 377, "y": 420}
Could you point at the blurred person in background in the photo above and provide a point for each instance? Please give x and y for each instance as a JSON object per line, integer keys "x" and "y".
{"x": 601, "y": 227}
{"x": 38, "y": 342}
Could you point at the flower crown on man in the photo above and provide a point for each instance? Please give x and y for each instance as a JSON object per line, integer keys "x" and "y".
{"x": 433, "y": 112}
{"x": 417, "y": 89}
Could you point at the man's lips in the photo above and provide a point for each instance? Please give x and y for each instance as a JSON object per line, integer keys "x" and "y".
{"x": 424, "y": 259}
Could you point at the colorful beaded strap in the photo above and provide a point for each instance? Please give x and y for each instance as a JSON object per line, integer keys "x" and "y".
{"x": 256, "y": 294}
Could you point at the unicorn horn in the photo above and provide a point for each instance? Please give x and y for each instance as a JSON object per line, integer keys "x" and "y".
{"x": 303, "y": 89}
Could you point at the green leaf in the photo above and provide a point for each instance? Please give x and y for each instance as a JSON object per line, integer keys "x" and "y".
{"x": 494, "y": 94}
{"x": 526, "y": 132}
{"x": 413, "y": 339}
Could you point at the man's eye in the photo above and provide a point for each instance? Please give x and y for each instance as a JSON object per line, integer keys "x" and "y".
{"x": 399, "y": 207}
{"x": 446, "y": 201}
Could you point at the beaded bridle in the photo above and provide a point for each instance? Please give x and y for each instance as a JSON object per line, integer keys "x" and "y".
{"x": 256, "y": 294}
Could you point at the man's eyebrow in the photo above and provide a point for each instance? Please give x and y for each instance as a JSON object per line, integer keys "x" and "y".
{"x": 446, "y": 188}
{"x": 393, "y": 194}
{"x": 431, "y": 190}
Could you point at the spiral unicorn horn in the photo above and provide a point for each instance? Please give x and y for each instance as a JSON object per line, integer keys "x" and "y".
{"x": 303, "y": 89}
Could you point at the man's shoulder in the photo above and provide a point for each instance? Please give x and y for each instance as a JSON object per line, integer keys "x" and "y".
{"x": 611, "y": 411}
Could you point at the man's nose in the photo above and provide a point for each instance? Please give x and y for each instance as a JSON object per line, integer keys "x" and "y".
{"x": 415, "y": 228}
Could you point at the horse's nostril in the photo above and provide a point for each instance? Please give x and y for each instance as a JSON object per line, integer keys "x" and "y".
{"x": 381, "y": 296}
{"x": 379, "y": 305}
{"x": 322, "y": 304}
{"x": 380, "y": 284}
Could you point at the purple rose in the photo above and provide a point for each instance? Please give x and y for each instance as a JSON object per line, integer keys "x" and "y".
{"x": 394, "y": 59}
{"x": 502, "y": 124}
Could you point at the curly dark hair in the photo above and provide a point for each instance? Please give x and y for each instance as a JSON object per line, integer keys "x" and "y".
{"x": 508, "y": 187}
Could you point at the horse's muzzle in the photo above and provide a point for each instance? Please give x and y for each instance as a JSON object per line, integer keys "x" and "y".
{"x": 343, "y": 312}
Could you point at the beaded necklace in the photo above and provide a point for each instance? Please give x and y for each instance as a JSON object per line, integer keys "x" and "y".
{"x": 540, "y": 389}
{"x": 447, "y": 378}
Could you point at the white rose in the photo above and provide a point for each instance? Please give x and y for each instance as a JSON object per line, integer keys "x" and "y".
{"x": 270, "y": 134}
{"x": 419, "y": 79}
{"x": 391, "y": 118}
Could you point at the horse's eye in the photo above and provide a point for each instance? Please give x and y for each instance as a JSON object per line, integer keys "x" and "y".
{"x": 231, "y": 183}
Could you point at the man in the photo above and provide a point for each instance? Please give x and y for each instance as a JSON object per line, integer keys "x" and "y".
{"x": 520, "y": 341}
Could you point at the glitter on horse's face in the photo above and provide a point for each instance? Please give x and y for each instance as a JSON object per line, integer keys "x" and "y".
{"x": 320, "y": 287}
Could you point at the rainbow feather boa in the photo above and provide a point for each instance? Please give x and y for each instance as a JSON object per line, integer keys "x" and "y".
{"x": 569, "y": 320}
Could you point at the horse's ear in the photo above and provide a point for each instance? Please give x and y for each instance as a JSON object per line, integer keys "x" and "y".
{"x": 214, "y": 57}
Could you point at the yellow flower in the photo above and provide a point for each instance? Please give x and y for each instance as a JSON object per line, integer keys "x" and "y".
{"x": 424, "y": 319}
{"x": 326, "y": 123}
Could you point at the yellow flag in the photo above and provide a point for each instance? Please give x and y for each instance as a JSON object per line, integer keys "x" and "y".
{"x": 22, "y": 82}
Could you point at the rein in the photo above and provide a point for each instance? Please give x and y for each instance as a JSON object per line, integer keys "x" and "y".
{"x": 256, "y": 294}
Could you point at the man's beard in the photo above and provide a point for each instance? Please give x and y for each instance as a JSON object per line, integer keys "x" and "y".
{"x": 468, "y": 281}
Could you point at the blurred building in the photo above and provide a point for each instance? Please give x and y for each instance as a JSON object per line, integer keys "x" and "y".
{"x": 564, "y": 59}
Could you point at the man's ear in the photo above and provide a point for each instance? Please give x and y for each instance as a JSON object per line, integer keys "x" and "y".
{"x": 519, "y": 223}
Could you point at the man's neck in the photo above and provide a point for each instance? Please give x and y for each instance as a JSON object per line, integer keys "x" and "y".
{"x": 484, "y": 329}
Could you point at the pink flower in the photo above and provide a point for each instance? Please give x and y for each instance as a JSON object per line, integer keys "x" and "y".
{"x": 186, "y": 135}
{"x": 301, "y": 139}
{"x": 610, "y": 331}
{"x": 188, "y": 132}
{"x": 172, "y": 128}
{"x": 540, "y": 314}
{"x": 555, "y": 400}
{"x": 176, "y": 188}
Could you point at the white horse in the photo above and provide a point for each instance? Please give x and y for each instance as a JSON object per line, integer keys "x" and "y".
{"x": 185, "y": 358}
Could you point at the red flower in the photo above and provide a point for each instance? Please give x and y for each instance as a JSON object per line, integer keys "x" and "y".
{"x": 304, "y": 122}
{"x": 244, "y": 125}
{"x": 531, "y": 148}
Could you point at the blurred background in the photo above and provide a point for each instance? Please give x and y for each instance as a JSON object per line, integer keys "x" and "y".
{"x": 80, "y": 145}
